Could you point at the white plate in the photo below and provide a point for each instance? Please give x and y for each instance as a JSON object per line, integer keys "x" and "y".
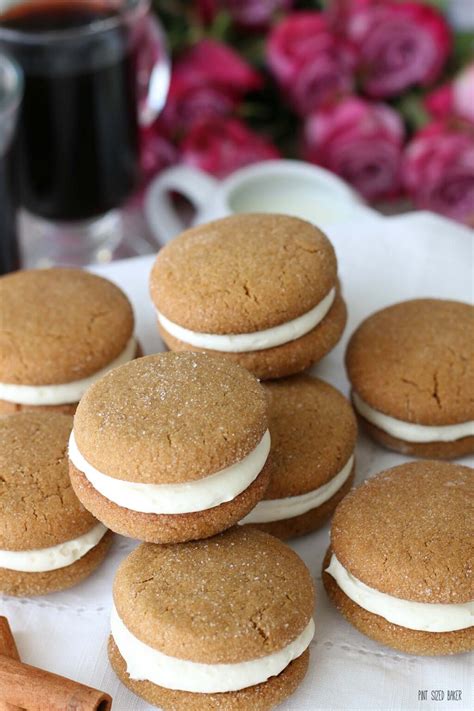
{"x": 381, "y": 261}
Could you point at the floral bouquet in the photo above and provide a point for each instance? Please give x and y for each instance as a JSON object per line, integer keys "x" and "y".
{"x": 380, "y": 92}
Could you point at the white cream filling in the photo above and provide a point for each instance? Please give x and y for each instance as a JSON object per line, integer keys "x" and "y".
{"x": 188, "y": 497}
{"x": 410, "y": 432}
{"x": 147, "y": 664}
{"x": 256, "y": 341}
{"x": 64, "y": 393}
{"x": 60, "y": 556}
{"x": 280, "y": 509}
{"x": 423, "y": 616}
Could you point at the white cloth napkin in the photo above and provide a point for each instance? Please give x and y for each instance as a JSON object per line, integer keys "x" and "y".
{"x": 382, "y": 260}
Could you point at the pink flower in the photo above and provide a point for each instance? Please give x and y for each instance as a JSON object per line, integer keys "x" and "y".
{"x": 438, "y": 169}
{"x": 220, "y": 146}
{"x": 310, "y": 62}
{"x": 455, "y": 98}
{"x": 255, "y": 14}
{"x": 400, "y": 44}
{"x": 361, "y": 142}
{"x": 208, "y": 80}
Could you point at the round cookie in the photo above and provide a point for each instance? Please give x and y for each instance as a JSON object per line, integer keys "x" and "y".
{"x": 60, "y": 330}
{"x": 259, "y": 289}
{"x": 400, "y": 564}
{"x": 171, "y": 447}
{"x": 213, "y": 624}
{"x": 411, "y": 366}
{"x": 48, "y": 541}
{"x": 313, "y": 431}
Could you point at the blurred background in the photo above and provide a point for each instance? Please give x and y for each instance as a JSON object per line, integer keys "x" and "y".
{"x": 99, "y": 98}
{"x": 380, "y": 92}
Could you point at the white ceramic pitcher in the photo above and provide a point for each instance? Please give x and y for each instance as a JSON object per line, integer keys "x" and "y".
{"x": 284, "y": 186}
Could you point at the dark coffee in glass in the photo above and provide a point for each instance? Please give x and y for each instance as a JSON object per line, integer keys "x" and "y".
{"x": 76, "y": 153}
{"x": 10, "y": 97}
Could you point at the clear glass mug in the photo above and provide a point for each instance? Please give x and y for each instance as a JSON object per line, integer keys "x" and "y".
{"x": 11, "y": 89}
{"x": 94, "y": 70}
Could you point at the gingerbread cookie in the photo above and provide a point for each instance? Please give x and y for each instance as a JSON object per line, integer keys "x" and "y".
{"x": 48, "y": 541}
{"x": 411, "y": 366}
{"x": 214, "y": 624}
{"x": 400, "y": 564}
{"x": 60, "y": 330}
{"x": 260, "y": 289}
{"x": 171, "y": 447}
{"x": 313, "y": 431}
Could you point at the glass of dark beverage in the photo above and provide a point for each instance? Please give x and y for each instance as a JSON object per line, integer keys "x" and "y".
{"x": 94, "y": 69}
{"x": 11, "y": 87}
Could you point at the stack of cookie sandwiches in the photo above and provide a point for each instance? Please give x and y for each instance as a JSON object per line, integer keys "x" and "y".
{"x": 173, "y": 449}
{"x": 262, "y": 290}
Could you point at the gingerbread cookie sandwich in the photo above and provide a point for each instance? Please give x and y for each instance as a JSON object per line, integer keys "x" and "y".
{"x": 48, "y": 541}
{"x": 213, "y": 625}
{"x": 260, "y": 289}
{"x": 60, "y": 330}
{"x": 400, "y": 564}
{"x": 411, "y": 366}
{"x": 171, "y": 447}
{"x": 313, "y": 431}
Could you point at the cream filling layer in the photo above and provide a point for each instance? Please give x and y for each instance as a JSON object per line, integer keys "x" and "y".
{"x": 187, "y": 497}
{"x": 65, "y": 393}
{"x": 422, "y": 616}
{"x": 147, "y": 664}
{"x": 410, "y": 432}
{"x": 60, "y": 556}
{"x": 256, "y": 341}
{"x": 280, "y": 509}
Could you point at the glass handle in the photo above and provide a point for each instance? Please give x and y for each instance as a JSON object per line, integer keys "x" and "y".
{"x": 153, "y": 71}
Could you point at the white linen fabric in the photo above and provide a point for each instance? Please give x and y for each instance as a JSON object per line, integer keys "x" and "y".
{"x": 382, "y": 260}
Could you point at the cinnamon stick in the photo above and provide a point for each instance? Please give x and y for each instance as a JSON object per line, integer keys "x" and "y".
{"x": 9, "y": 649}
{"x": 7, "y": 640}
{"x": 32, "y": 688}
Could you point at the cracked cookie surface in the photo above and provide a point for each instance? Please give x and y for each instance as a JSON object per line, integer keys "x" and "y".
{"x": 242, "y": 274}
{"x": 408, "y": 532}
{"x": 60, "y": 325}
{"x": 414, "y": 361}
{"x": 224, "y": 600}
{"x": 38, "y": 507}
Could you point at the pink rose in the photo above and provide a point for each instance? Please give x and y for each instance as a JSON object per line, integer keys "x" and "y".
{"x": 255, "y": 14}
{"x": 208, "y": 80}
{"x": 310, "y": 62}
{"x": 438, "y": 169}
{"x": 400, "y": 44}
{"x": 361, "y": 142}
{"x": 455, "y": 98}
{"x": 220, "y": 146}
